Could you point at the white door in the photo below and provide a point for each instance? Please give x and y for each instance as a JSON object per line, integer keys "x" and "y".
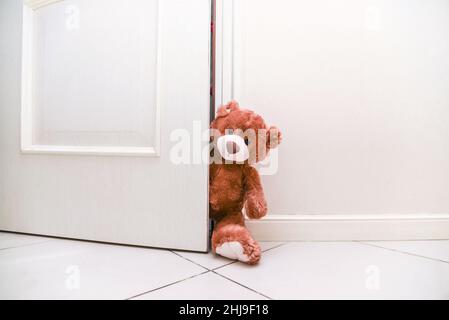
{"x": 90, "y": 93}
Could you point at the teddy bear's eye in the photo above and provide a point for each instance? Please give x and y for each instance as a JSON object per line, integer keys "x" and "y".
{"x": 246, "y": 141}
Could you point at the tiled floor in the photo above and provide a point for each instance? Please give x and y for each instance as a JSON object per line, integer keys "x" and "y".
{"x": 43, "y": 268}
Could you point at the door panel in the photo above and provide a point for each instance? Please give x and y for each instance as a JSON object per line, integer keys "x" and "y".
{"x": 95, "y": 73}
{"x": 88, "y": 156}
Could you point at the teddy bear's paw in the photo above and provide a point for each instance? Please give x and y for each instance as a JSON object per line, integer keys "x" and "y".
{"x": 248, "y": 253}
{"x": 235, "y": 242}
{"x": 232, "y": 250}
{"x": 256, "y": 208}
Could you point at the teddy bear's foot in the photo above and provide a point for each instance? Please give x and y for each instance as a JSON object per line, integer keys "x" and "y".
{"x": 235, "y": 242}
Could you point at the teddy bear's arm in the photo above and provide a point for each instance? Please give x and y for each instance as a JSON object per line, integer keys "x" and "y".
{"x": 256, "y": 205}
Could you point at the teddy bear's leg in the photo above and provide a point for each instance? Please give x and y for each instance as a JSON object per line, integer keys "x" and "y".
{"x": 231, "y": 239}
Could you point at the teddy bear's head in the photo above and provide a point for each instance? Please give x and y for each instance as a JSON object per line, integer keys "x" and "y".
{"x": 241, "y": 136}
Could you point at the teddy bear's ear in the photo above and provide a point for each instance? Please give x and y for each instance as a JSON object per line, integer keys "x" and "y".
{"x": 274, "y": 137}
{"x": 224, "y": 110}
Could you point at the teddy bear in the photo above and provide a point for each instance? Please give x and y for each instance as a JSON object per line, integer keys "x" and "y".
{"x": 240, "y": 139}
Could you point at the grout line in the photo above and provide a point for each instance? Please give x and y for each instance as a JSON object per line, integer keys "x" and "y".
{"x": 238, "y": 283}
{"x": 236, "y": 261}
{"x": 167, "y": 285}
{"x": 399, "y": 251}
{"x": 207, "y": 270}
{"x": 225, "y": 265}
{"x": 199, "y": 265}
{"x": 275, "y": 247}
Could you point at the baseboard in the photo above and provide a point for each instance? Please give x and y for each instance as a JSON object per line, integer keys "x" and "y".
{"x": 350, "y": 227}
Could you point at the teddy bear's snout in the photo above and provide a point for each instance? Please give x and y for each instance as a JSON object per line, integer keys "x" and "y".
{"x": 233, "y": 148}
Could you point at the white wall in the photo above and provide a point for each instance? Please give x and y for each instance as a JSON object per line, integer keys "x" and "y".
{"x": 360, "y": 90}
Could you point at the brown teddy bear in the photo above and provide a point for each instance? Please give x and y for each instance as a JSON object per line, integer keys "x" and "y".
{"x": 240, "y": 138}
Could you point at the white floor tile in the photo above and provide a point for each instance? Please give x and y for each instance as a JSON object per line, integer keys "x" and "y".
{"x": 63, "y": 269}
{"x": 342, "y": 270}
{"x": 212, "y": 261}
{"x": 435, "y": 249}
{"x": 266, "y": 245}
{"x": 207, "y": 286}
{"x": 12, "y": 240}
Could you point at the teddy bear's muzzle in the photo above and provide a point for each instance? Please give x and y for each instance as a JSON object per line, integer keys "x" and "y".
{"x": 233, "y": 148}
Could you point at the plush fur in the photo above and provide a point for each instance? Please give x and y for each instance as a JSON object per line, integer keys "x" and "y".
{"x": 234, "y": 186}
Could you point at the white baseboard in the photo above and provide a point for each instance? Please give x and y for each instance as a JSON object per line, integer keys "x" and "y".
{"x": 350, "y": 227}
